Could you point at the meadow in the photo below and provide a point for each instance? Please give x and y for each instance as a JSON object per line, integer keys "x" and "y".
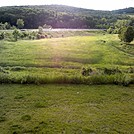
{"x": 66, "y": 109}
{"x": 79, "y": 83}
{"x": 62, "y": 59}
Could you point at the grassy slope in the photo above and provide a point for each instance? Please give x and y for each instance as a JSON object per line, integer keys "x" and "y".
{"x": 64, "y": 55}
{"x": 69, "y": 109}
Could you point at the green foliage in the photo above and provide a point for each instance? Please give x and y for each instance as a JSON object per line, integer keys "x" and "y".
{"x": 122, "y": 23}
{"x": 58, "y": 16}
{"x": 129, "y": 10}
{"x": 2, "y": 36}
{"x": 7, "y": 25}
{"x": 13, "y": 27}
{"x": 59, "y": 60}
{"x": 110, "y": 30}
{"x": 119, "y": 25}
{"x": 127, "y": 34}
{"x": 2, "y": 70}
{"x": 16, "y": 34}
{"x": 2, "y": 26}
{"x": 17, "y": 68}
{"x": 94, "y": 79}
{"x": 89, "y": 71}
{"x": 20, "y": 23}
{"x": 124, "y": 80}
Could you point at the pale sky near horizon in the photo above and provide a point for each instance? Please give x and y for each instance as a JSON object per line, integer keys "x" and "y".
{"x": 89, "y": 4}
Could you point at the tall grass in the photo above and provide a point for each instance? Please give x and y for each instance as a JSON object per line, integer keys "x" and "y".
{"x": 120, "y": 79}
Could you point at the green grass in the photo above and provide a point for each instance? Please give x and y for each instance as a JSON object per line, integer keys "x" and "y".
{"x": 70, "y": 109}
{"x": 64, "y": 52}
{"x": 62, "y": 58}
{"x": 67, "y": 109}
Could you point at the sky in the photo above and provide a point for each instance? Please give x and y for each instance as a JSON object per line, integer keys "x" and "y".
{"x": 89, "y": 4}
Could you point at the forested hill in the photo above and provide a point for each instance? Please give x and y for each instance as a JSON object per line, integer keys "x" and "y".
{"x": 129, "y": 10}
{"x": 59, "y": 16}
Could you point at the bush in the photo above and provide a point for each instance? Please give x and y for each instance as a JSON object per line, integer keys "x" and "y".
{"x": 111, "y": 71}
{"x": 2, "y": 36}
{"x": 131, "y": 70}
{"x": 38, "y": 36}
{"x": 123, "y": 79}
{"x": 16, "y": 34}
{"x": 94, "y": 79}
{"x": 89, "y": 71}
{"x": 2, "y": 70}
{"x": 4, "y": 78}
{"x": 98, "y": 71}
{"x": 127, "y": 34}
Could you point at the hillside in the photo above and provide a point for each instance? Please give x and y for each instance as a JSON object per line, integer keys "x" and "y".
{"x": 59, "y": 16}
{"x": 129, "y": 10}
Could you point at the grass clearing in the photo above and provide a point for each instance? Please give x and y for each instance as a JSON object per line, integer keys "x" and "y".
{"x": 30, "y": 107}
{"x": 66, "y": 109}
{"x": 61, "y": 58}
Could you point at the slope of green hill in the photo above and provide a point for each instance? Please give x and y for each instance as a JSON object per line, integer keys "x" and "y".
{"x": 59, "y": 16}
{"x": 129, "y": 10}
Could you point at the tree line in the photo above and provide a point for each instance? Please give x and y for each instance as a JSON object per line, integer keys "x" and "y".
{"x": 58, "y": 17}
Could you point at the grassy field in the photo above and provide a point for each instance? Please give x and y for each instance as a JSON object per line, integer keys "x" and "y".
{"x": 39, "y": 91}
{"x": 66, "y": 109}
{"x": 64, "y": 52}
{"x": 63, "y": 57}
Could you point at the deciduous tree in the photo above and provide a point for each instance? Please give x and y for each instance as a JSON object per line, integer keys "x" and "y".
{"x": 127, "y": 34}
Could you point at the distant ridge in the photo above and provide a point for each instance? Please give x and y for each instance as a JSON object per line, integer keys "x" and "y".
{"x": 129, "y": 10}
{"x": 62, "y": 16}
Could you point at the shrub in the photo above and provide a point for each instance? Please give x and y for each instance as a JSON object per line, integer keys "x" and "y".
{"x": 20, "y": 23}
{"x": 111, "y": 71}
{"x": 89, "y": 71}
{"x": 4, "y": 70}
{"x": 25, "y": 34}
{"x": 38, "y": 36}
{"x": 122, "y": 79}
{"x": 131, "y": 70}
{"x": 127, "y": 34}
{"x": 2, "y": 36}
{"x": 16, "y": 34}
{"x": 4, "y": 78}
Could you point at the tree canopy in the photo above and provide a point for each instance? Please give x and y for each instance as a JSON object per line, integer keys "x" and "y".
{"x": 127, "y": 34}
{"x": 59, "y": 17}
{"x": 20, "y": 23}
